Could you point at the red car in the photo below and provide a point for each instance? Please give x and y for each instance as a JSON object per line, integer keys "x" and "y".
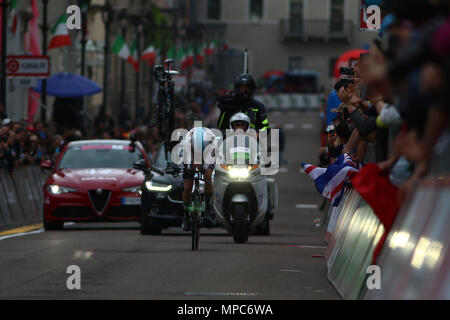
{"x": 94, "y": 181}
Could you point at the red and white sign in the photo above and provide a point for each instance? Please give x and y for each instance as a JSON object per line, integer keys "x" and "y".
{"x": 28, "y": 66}
{"x": 364, "y": 14}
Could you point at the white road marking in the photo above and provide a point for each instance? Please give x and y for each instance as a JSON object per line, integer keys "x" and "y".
{"x": 283, "y": 170}
{"x": 296, "y": 271}
{"x": 307, "y": 206}
{"x": 307, "y": 126}
{"x": 220, "y": 294}
{"x": 289, "y": 126}
{"x": 310, "y": 247}
{"x": 21, "y": 234}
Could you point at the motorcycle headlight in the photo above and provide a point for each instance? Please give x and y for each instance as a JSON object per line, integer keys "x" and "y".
{"x": 134, "y": 189}
{"x": 159, "y": 187}
{"x": 239, "y": 173}
{"x": 55, "y": 189}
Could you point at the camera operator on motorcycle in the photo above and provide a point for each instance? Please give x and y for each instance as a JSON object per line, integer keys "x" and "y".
{"x": 241, "y": 100}
{"x": 197, "y": 140}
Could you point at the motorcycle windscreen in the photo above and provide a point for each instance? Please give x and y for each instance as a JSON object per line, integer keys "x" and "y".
{"x": 239, "y": 150}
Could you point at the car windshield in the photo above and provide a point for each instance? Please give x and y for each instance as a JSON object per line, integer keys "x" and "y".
{"x": 100, "y": 156}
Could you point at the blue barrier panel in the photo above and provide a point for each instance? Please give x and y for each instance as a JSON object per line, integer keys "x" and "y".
{"x": 415, "y": 260}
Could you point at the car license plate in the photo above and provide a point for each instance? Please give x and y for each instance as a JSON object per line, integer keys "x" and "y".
{"x": 131, "y": 201}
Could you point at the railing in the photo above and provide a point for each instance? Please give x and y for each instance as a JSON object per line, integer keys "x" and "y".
{"x": 21, "y": 196}
{"x": 316, "y": 29}
{"x": 415, "y": 258}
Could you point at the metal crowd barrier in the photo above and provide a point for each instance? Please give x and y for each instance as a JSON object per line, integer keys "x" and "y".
{"x": 350, "y": 251}
{"x": 285, "y": 101}
{"x": 415, "y": 259}
{"x": 21, "y": 196}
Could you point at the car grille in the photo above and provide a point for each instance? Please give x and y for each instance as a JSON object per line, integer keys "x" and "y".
{"x": 99, "y": 199}
{"x": 73, "y": 212}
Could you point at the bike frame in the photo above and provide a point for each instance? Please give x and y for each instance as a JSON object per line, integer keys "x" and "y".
{"x": 198, "y": 205}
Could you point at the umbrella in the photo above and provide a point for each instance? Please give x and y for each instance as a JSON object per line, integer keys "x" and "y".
{"x": 67, "y": 85}
{"x": 344, "y": 59}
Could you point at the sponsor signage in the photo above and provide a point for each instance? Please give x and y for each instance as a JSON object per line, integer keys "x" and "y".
{"x": 28, "y": 66}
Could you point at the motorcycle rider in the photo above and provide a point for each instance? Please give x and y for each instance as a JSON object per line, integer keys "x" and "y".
{"x": 197, "y": 140}
{"x": 241, "y": 99}
{"x": 240, "y": 121}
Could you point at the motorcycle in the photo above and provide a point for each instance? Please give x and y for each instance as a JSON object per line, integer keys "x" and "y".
{"x": 243, "y": 198}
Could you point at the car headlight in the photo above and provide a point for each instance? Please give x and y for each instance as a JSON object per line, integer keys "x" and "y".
{"x": 160, "y": 187}
{"x": 55, "y": 189}
{"x": 134, "y": 189}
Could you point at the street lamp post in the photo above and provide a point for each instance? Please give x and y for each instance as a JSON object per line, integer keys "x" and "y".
{"x": 139, "y": 26}
{"x": 44, "y": 46}
{"x": 84, "y": 4}
{"x": 107, "y": 16}
{"x": 123, "y": 20}
{"x": 4, "y": 52}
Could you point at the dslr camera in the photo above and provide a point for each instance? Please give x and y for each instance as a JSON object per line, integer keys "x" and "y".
{"x": 347, "y": 71}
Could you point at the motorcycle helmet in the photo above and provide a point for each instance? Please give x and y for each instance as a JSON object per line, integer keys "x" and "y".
{"x": 245, "y": 80}
{"x": 240, "y": 118}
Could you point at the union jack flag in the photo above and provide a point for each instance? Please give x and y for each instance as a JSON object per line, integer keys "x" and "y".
{"x": 330, "y": 181}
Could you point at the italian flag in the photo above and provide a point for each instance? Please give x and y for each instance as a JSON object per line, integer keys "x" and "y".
{"x": 213, "y": 46}
{"x": 13, "y": 13}
{"x": 121, "y": 49}
{"x": 190, "y": 56}
{"x": 182, "y": 57}
{"x": 200, "y": 56}
{"x": 60, "y": 34}
{"x": 171, "y": 53}
{"x": 134, "y": 56}
{"x": 149, "y": 53}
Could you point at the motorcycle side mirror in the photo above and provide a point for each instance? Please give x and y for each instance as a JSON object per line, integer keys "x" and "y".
{"x": 46, "y": 165}
{"x": 133, "y": 137}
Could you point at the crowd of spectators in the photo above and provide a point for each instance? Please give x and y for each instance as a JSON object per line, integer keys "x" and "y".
{"x": 25, "y": 143}
{"x": 393, "y": 107}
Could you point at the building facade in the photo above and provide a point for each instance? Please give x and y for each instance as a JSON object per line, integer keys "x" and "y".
{"x": 288, "y": 34}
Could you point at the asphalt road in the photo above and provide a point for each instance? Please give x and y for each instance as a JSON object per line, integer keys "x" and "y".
{"x": 116, "y": 262}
